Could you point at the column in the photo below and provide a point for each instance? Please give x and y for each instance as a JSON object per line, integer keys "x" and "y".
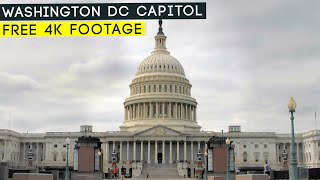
{"x": 24, "y": 152}
{"x": 191, "y": 151}
{"x": 128, "y": 145}
{"x": 170, "y": 161}
{"x": 134, "y": 111}
{"x": 176, "y": 111}
{"x": 182, "y": 111}
{"x": 189, "y": 111}
{"x": 163, "y": 110}
{"x": 192, "y": 112}
{"x": 141, "y": 155}
{"x": 195, "y": 113}
{"x": 157, "y": 109}
{"x": 138, "y": 111}
{"x": 163, "y": 152}
{"x": 151, "y": 109}
{"x": 169, "y": 110}
{"x": 185, "y": 151}
{"x": 178, "y": 154}
{"x": 148, "y": 153}
{"x": 44, "y": 151}
{"x": 156, "y": 152}
{"x": 107, "y": 151}
{"x": 120, "y": 155}
{"x": 113, "y": 146}
{"x": 134, "y": 151}
{"x": 144, "y": 110}
{"x": 38, "y": 152}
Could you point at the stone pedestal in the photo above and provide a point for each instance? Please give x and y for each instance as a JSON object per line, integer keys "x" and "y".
{"x": 252, "y": 177}
{"x": 86, "y": 177}
{"x": 215, "y": 178}
{"x": 32, "y": 176}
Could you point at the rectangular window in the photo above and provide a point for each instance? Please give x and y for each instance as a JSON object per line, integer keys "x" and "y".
{"x": 55, "y": 157}
{"x": 144, "y": 89}
{"x": 265, "y": 146}
{"x": 171, "y": 91}
{"x": 256, "y": 158}
{"x": 165, "y": 88}
{"x": 180, "y": 89}
{"x": 149, "y": 90}
{"x": 175, "y": 89}
{"x": 256, "y": 145}
{"x": 159, "y": 88}
{"x": 155, "y": 88}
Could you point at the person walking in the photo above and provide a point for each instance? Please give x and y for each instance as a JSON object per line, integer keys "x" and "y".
{"x": 267, "y": 168}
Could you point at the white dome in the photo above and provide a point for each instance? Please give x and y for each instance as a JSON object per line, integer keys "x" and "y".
{"x": 160, "y": 61}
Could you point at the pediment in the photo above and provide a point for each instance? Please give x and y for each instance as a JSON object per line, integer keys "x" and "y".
{"x": 159, "y": 131}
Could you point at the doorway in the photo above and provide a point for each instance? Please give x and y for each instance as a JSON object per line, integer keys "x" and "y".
{"x": 159, "y": 158}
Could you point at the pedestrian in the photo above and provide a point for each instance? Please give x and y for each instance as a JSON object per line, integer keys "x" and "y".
{"x": 115, "y": 172}
{"x": 267, "y": 169}
{"x": 147, "y": 175}
{"x": 122, "y": 173}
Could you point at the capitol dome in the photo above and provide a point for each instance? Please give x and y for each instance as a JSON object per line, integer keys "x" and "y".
{"x": 160, "y": 93}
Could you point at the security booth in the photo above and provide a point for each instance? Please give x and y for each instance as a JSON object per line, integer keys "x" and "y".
{"x": 86, "y": 157}
{"x": 218, "y": 154}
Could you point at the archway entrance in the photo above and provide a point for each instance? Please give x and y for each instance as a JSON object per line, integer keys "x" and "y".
{"x": 159, "y": 158}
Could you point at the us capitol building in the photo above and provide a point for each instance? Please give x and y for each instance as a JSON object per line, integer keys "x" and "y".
{"x": 159, "y": 128}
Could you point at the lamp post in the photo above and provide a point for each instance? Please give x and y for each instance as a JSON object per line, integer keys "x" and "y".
{"x": 294, "y": 170}
{"x": 285, "y": 160}
{"x": 206, "y": 168}
{"x": 67, "y": 165}
{"x": 199, "y": 168}
{"x": 99, "y": 164}
{"x": 228, "y": 142}
{"x": 114, "y": 161}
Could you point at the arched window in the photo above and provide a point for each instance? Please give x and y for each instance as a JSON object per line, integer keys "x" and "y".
{"x": 245, "y": 157}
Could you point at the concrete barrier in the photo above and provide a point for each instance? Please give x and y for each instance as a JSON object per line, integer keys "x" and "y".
{"x": 215, "y": 178}
{"x": 86, "y": 177}
{"x": 252, "y": 177}
{"x": 32, "y": 176}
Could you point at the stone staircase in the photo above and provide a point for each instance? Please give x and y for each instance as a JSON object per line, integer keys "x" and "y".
{"x": 159, "y": 171}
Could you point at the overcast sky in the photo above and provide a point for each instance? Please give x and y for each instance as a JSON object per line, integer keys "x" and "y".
{"x": 244, "y": 62}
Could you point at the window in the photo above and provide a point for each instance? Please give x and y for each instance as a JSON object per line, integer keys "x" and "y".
{"x": 165, "y": 88}
{"x": 266, "y": 158}
{"x": 175, "y": 88}
{"x": 265, "y": 146}
{"x": 159, "y": 88}
{"x": 244, "y": 157}
{"x": 256, "y": 158}
{"x": 64, "y": 157}
{"x": 244, "y": 146}
{"x": 144, "y": 89}
{"x": 170, "y": 88}
{"x": 149, "y": 90}
{"x": 180, "y": 89}
{"x": 155, "y": 88}
{"x": 256, "y": 145}
{"x": 55, "y": 145}
{"x": 54, "y": 157}
{"x": 140, "y": 89}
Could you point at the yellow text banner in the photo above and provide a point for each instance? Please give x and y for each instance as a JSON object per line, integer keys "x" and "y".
{"x": 68, "y": 29}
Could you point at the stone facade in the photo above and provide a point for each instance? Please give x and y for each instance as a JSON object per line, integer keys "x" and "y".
{"x": 160, "y": 126}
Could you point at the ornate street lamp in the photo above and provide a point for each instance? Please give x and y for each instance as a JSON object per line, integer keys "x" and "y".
{"x": 285, "y": 159}
{"x": 294, "y": 170}
{"x": 30, "y": 157}
{"x": 68, "y": 141}
{"x": 199, "y": 168}
{"x": 99, "y": 164}
{"x": 206, "y": 168}
{"x": 228, "y": 142}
